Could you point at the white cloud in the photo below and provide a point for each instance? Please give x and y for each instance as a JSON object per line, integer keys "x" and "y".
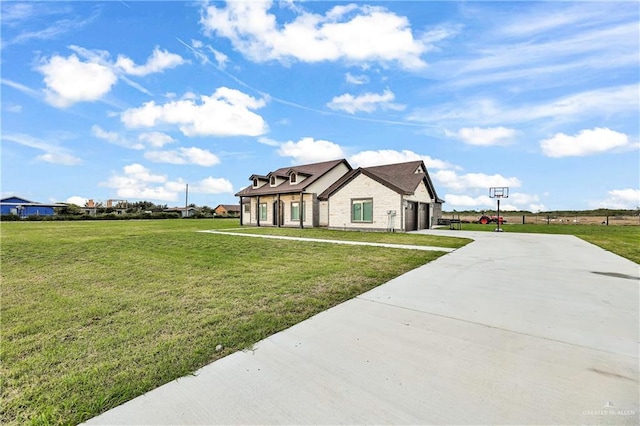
{"x": 114, "y": 138}
{"x": 59, "y": 158}
{"x": 25, "y": 22}
{"x": 77, "y": 200}
{"x": 138, "y": 182}
{"x": 516, "y": 201}
{"x": 220, "y": 57}
{"x": 268, "y": 141}
{"x": 13, "y": 108}
{"x": 388, "y": 156}
{"x": 356, "y": 79}
{"x": 308, "y": 150}
{"x": 452, "y": 180}
{"x": 484, "y": 136}
{"x": 52, "y": 152}
{"x": 487, "y": 111}
{"x": 586, "y": 142}
{"x": 69, "y": 80}
{"x": 521, "y": 198}
{"x": 621, "y": 199}
{"x": 367, "y": 102}
{"x": 227, "y": 112}
{"x": 353, "y": 33}
{"x": 157, "y": 62}
{"x": 212, "y": 185}
{"x": 156, "y": 139}
{"x": 197, "y": 156}
{"x": 20, "y": 87}
{"x": 540, "y": 46}
{"x": 467, "y": 201}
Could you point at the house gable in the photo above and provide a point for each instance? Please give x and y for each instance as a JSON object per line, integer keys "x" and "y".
{"x": 363, "y": 188}
{"x": 399, "y": 196}
{"x": 403, "y": 178}
{"x": 306, "y": 176}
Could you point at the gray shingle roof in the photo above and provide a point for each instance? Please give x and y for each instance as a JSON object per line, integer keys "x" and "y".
{"x": 312, "y": 172}
{"x": 400, "y": 177}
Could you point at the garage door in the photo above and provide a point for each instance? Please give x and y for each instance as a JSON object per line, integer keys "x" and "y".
{"x": 423, "y": 216}
{"x": 410, "y": 216}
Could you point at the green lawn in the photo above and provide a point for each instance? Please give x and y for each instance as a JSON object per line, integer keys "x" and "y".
{"x": 621, "y": 240}
{"x": 96, "y": 313}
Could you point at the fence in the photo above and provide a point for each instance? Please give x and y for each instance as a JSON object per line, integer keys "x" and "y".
{"x": 552, "y": 219}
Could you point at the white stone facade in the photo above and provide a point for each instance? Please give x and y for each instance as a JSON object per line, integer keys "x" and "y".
{"x": 363, "y": 187}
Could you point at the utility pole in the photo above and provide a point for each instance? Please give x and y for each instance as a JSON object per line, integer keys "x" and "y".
{"x": 186, "y": 201}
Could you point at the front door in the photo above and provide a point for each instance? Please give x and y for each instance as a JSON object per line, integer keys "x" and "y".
{"x": 278, "y": 213}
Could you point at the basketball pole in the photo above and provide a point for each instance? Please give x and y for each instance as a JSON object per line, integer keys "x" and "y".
{"x": 497, "y": 193}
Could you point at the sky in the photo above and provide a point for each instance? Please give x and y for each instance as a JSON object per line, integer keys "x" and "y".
{"x": 136, "y": 100}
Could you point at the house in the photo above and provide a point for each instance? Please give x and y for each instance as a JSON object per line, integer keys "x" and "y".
{"x": 25, "y": 208}
{"x": 227, "y": 210}
{"x": 184, "y": 211}
{"x": 289, "y": 196}
{"x": 394, "y": 197}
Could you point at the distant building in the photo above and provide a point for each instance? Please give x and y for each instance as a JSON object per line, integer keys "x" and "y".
{"x": 184, "y": 211}
{"x": 113, "y": 206}
{"x": 227, "y": 210}
{"x": 25, "y": 208}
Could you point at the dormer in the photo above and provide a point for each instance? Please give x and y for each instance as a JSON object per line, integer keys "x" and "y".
{"x": 258, "y": 181}
{"x": 276, "y": 179}
{"x": 295, "y": 177}
{"x": 419, "y": 170}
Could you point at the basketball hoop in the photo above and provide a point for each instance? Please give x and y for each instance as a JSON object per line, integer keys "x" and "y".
{"x": 498, "y": 192}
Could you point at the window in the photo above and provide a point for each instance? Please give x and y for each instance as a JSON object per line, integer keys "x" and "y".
{"x": 255, "y": 182}
{"x": 362, "y": 210}
{"x": 247, "y": 208}
{"x": 263, "y": 211}
{"x": 272, "y": 182}
{"x": 295, "y": 210}
{"x": 292, "y": 178}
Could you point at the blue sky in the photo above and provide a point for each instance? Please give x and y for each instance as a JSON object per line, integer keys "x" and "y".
{"x": 134, "y": 100}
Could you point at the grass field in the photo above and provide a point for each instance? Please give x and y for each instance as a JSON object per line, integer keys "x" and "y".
{"x": 621, "y": 240}
{"x": 97, "y": 313}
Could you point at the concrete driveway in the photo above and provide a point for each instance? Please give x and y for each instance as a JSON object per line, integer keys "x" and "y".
{"x": 511, "y": 329}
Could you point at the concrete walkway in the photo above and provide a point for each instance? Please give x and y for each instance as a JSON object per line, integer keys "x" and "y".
{"x": 511, "y": 329}
{"x": 318, "y": 240}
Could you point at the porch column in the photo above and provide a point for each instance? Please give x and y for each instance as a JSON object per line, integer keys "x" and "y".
{"x": 241, "y": 210}
{"x": 402, "y": 207}
{"x": 301, "y": 209}
{"x": 258, "y": 211}
{"x": 278, "y": 218}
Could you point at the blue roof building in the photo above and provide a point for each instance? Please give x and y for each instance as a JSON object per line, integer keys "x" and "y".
{"x": 25, "y": 208}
